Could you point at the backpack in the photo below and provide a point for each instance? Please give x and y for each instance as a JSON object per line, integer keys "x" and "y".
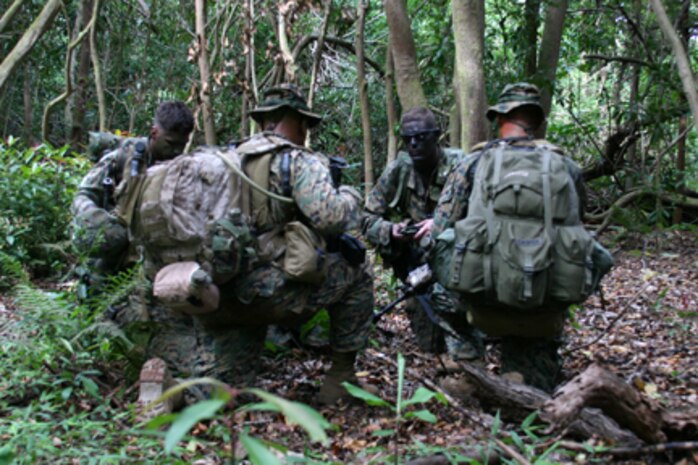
{"x": 522, "y": 244}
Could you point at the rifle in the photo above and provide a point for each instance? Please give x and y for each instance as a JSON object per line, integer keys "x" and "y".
{"x": 417, "y": 282}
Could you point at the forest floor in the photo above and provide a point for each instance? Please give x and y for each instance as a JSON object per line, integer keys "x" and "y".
{"x": 647, "y": 333}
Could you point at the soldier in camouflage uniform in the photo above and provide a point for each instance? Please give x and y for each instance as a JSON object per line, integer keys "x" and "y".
{"x": 99, "y": 232}
{"x": 406, "y": 194}
{"x": 102, "y": 236}
{"x": 268, "y": 294}
{"x": 518, "y": 114}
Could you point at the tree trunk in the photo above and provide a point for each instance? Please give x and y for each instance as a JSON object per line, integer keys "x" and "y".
{"x": 27, "y": 95}
{"x": 9, "y": 14}
{"x": 361, "y": 8}
{"x": 205, "y": 85}
{"x": 289, "y": 74}
{"x": 687, "y": 78}
{"x": 80, "y": 80}
{"x": 549, "y": 55}
{"x": 89, "y": 29}
{"x": 28, "y": 39}
{"x": 96, "y": 67}
{"x": 531, "y": 19}
{"x": 409, "y": 86}
{"x": 247, "y": 94}
{"x": 680, "y": 167}
{"x": 390, "y": 105}
{"x": 317, "y": 58}
{"x": 469, "y": 36}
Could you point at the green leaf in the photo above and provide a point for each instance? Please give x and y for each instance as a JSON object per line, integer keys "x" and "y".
{"x": 257, "y": 452}
{"x": 383, "y": 432}
{"x": 424, "y": 415}
{"x": 65, "y": 394}
{"x": 299, "y": 414}
{"x": 90, "y": 386}
{"x": 189, "y": 417}
{"x": 421, "y": 395}
{"x": 7, "y": 455}
{"x": 367, "y": 397}
{"x": 259, "y": 407}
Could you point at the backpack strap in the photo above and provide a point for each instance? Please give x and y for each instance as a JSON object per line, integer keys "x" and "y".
{"x": 403, "y": 176}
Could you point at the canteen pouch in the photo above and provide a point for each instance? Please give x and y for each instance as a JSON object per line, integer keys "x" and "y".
{"x": 185, "y": 287}
{"x": 305, "y": 259}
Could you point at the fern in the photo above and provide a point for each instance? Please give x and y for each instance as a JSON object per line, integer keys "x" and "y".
{"x": 118, "y": 288}
{"x": 11, "y": 271}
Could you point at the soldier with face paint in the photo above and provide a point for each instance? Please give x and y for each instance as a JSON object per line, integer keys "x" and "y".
{"x": 398, "y": 220}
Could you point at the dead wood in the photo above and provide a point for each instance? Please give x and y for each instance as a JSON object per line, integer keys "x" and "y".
{"x": 516, "y": 401}
{"x": 598, "y": 387}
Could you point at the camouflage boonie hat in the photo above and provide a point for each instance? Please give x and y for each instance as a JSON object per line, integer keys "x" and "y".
{"x": 515, "y": 96}
{"x": 285, "y": 95}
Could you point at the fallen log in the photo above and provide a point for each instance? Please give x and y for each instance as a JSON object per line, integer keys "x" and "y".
{"x": 516, "y": 401}
{"x": 598, "y": 387}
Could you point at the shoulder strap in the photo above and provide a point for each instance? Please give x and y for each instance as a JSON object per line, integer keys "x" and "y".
{"x": 403, "y": 176}
{"x": 237, "y": 170}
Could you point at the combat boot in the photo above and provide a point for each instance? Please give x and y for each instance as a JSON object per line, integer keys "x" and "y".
{"x": 155, "y": 379}
{"x": 342, "y": 370}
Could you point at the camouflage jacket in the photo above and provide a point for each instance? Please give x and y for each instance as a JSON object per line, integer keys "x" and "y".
{"x": 453, "y": 203}
{"x": 329, "y": 210}
{"x": 114, "y": 166}
{"x": 401, "y": 194}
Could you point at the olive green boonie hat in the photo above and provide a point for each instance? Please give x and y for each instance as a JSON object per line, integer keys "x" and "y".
{"x": 515, "y": 96}
{"x": 285, "y": 95}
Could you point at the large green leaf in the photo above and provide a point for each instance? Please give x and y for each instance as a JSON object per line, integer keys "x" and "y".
{"x": 257, "y": 452}
{"x": 421, "y": 395}
{"x": 424, "y": 415}
{"x": 298, "y": 414}
{"x": 188, "y": 418}
{"x": 367, "y": 397}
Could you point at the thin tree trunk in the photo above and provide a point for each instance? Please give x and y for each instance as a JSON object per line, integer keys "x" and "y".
{"x": 247, "y": 36}
{"x": 9, "y": 14}
{"x": 469, "y": 36}
{"x": 549, "y": 55}
{"x": 68, "y": 85}
{"x": 318, "y": 52}
{"x": 680, "y": 166}
{"x": 687, "y": 78}
{"x": 361, "y": 8}
{"x": 532, "y": 15}
{"x": 30, "y": 37}
{"x": 205, "y": 90}
{"x": 409, "y": 86}
{"x": 80, "y": 78}
{"x": 390, "y": 105}
{"x": 287, "y": 55}
{"x": 27, "y": 94}
{"x": 97, "y": 69}
{"x": 317, "y": 58}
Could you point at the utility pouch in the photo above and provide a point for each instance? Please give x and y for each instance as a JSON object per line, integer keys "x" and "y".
{"x": 305, "y": 259}
{"x": 185, "y": 287}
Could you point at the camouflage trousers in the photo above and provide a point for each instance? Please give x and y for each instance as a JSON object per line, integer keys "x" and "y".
{"x": 265, "y": 296}
{"x": 468, "y": 345}
{"x": 182, "y": 341}
{"x": 537, "y": 359}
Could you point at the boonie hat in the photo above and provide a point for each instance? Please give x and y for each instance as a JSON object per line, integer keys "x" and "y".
{"x": 285, "y": 95}
{"x": 515, "y": 96}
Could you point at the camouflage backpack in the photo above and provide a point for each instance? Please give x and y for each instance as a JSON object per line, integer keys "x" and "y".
{"x": 522, "y": 244}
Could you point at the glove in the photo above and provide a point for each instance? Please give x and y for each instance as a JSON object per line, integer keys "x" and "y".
{"x": 98, "y": 234}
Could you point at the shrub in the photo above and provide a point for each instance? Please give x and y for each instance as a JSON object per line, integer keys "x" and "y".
{"x": 36, "y": 187}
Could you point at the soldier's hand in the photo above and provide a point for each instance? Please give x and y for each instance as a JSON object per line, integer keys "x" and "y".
{"x": 425, "y": 227}
{"x": 396, "y": 232}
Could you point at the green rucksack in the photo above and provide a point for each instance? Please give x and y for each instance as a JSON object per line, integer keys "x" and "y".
{"x": 522, "y": 244}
